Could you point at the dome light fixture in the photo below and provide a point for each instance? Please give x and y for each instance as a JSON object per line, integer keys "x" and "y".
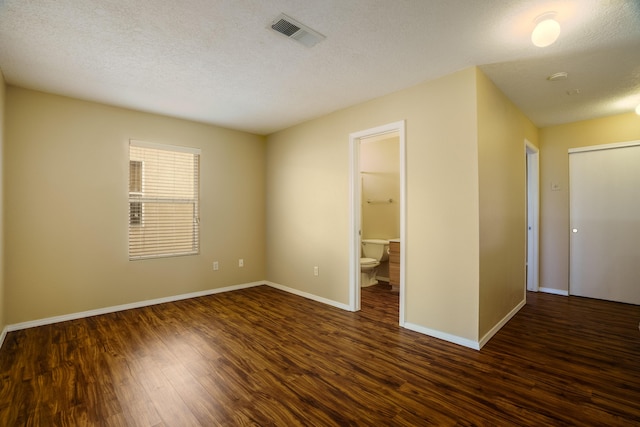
{"x": 546, "y": 31}
{"x": 562, "y": 75}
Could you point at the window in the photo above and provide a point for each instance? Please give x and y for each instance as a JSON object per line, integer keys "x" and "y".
{"x": 135, "y": 192}
{"x": 163, "y": 200}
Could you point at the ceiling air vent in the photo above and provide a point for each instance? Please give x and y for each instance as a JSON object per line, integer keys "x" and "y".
{"x": 293, "y": 29}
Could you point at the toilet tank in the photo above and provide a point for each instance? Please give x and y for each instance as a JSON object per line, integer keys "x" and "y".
{"x": 375, "y": 248}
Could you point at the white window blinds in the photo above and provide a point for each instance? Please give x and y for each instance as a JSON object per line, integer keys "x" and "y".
{"x": 163, "y": 200}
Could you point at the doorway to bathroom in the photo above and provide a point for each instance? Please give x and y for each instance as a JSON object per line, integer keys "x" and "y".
{"x": 375, "y": 204}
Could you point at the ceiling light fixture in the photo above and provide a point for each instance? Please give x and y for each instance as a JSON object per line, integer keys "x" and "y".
{"x": 546, "y": 31}
{"x": 562, "y": 75}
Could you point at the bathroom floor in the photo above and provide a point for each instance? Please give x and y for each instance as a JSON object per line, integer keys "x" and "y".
{"x": 380, "y": 287}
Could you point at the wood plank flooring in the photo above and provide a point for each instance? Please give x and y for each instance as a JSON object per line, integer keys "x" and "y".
{"x": 262, "y": 357}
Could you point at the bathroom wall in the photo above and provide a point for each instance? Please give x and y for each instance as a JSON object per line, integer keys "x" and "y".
{"x": 66, "y": 212}
{"x": 555, "y": 142}
{"x": 380, "y": 175}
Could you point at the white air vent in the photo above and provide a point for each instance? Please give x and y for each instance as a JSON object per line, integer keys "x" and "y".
{"x": 293, "y": 29}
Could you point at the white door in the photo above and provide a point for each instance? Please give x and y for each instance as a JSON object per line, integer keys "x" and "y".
{"x": 605, "y": 223}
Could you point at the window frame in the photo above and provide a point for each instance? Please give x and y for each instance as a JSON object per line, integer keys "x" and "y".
{"x": 142, "y": 251}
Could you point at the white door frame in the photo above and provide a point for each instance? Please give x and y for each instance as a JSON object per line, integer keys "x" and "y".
{"x": 533, "y": 216}
{"x": 355, "y": 219}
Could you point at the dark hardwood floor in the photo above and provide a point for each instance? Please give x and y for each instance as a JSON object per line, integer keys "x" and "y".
{"x": 263, "y": 357}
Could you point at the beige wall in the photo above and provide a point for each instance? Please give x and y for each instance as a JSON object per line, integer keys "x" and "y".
{"x": 286, "y": 201}
{"x": 380, "y": 166}
{"x": 555, "y": 141}
{"x": 502, "y": 130}
{"x": 308, "y": 201}
{"x": 2, "y": 132}
{"x": 66, "y": 214}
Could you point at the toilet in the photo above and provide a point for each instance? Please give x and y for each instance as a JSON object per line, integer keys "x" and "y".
{"x": 373, "y": 252}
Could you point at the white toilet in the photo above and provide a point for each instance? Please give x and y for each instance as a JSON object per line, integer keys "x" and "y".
{"x": 373, "y": 252}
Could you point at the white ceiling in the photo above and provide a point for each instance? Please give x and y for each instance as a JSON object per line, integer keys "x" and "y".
{"x": 218, "y": 61}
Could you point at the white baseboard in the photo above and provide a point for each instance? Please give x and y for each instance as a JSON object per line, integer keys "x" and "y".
{"x": 3, "y": 335}
{"x": 554, "y": 291}
{"x": 417, "y": 328}
{"x": 501, "y": 323}
{"x": 443, "y": 336}
{"x": 139, "y": 304}
{"x": 475, "y": 345}
{"x": 112, "y": 309}
{"x": 309, "y": 296}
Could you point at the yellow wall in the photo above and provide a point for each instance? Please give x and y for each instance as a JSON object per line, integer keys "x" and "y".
{"x": 555, "y": 141}
{"x": 466, "y": 202}
{"x": 66, "y": 212}
{"x": 502, "y": 130}
{"x": 380, "y": 166}
{"x": 308, "y": 201}
{"x": 2, "y": 132}
{"x": 283, "y": 206}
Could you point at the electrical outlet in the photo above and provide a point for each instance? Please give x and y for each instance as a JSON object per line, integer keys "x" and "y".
{"x": 240, "y": 262}
{"x": 215, "y": 265}
{"x": 316, "y": 271}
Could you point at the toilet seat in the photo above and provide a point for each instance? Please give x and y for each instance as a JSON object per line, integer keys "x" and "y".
{"x": 368, "y": 261}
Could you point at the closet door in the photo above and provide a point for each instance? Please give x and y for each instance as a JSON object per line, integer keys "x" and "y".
{"x": 605, "y": 223}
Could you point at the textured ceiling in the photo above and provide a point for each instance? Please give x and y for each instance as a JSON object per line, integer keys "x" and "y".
{"x": 217, "y": 61}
